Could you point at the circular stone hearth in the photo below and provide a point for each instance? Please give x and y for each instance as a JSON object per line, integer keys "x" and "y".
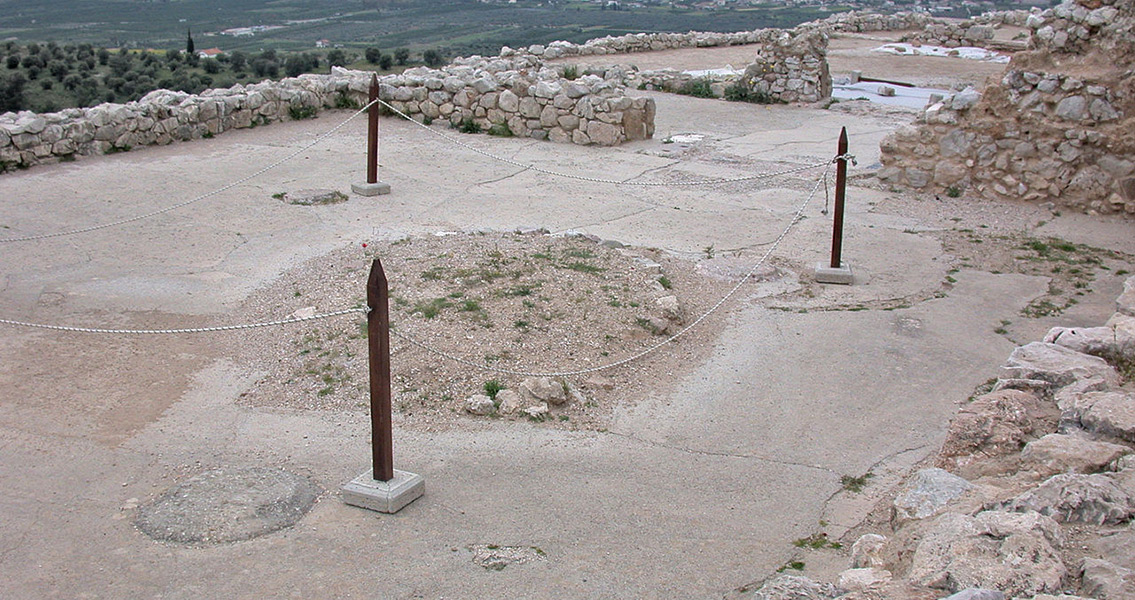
{"x": 228, "y": 505}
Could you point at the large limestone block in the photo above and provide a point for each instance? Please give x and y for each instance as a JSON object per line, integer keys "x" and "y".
{"x": 1014, "y": 553}
{"x": 993, "y": 425}
{"x": 1125, "y": 303}
{"x": 604, "y": 134}
{"x": 1074, "y": 498}
{"x": 1058, "y": 453}
{"x": 1055, "y": 364}
{"x": 1104, "y": 413}
{"x": 928, "y": 493}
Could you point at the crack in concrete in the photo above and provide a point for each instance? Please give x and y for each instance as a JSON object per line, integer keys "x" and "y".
{"x": 712, "y": 453}
{"x": 609, "y": 221}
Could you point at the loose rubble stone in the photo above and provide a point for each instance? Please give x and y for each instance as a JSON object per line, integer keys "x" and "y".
{"x": 794, "y": 587}
{"x": 544, "y": 389}
{"x": 509, "y": 402}
{"x": 479, "y": 404}
{"x": 857, "y": 580}
{"x": 976, "y": 594}
{"x": 867, "y": 551}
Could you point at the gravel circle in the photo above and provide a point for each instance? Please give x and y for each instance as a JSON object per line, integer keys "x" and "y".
{"x": 228, "y": 505}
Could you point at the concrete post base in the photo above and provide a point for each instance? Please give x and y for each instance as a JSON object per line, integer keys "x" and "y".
{"x": 370, "y": 189}
{"x": 384, "y": 496}
{"x": 826, "y": 274}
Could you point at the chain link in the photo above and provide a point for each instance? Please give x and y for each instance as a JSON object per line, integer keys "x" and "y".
{"x": 531, "y": 167}
{"x": 643, "y": 353}
{"x": 198, "y": 198}
{"x": 288, "y": 321}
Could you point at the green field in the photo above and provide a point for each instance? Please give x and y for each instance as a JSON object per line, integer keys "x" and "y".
{"x": 457, "y": 27}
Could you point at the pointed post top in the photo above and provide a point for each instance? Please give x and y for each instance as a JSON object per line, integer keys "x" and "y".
{"x": 842, "y": 147}
{"x": 373, "y": 86}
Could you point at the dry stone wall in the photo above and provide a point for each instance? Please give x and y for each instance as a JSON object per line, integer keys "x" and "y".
{"x": 1056, "y": 127}
{"x": 518, "y": 94}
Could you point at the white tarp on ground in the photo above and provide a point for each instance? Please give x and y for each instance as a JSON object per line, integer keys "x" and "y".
{"x": 967, "y": 52}
{"x": 718, "y": 74}
{"x": 909, "y": 97}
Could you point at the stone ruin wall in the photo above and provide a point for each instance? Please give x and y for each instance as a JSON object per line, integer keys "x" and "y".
{"x": 533, "y": 102}
{"x": 1056, "y": 128}
{"x": 789, "y": 67}
{"x": 515, "y": 89}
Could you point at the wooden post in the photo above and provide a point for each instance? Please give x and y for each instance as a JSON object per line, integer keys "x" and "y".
{"x": 372, "y": 132}
{"x": 378, "y": 344}
{"x": 840, "y": 192}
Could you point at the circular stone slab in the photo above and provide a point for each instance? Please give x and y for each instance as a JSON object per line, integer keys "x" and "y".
{"x": 228, "y": 505}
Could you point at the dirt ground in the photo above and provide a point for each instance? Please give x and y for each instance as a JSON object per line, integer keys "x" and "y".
{"x": 690, "y": 477}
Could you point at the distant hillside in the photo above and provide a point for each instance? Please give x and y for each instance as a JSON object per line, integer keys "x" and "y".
{"x": 457, "y": 27}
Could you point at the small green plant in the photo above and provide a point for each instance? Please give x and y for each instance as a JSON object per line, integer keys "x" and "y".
{"x": 432, "y": 308}
{"x": 584, "y": 267}
{"x": 855, "y": 484}
{"x": 795, "y": 565}
{"x": 665, "y": 282}
{"x": 427, "y": 120}
{"x": 571, "y": 71}
{"x": 954, "y": 191}
{"x": 468, "y": 125}
{"x": 492, "y": 388}
{"x": 501, "y": 130}
{"x": 708, "y": 251}
{"x": 345, "y": 101}
{"x": 299, "y": 112}
{"x": 698, "y": 88}
{"x": 817, "y": 541}
{"x": 1001, "y": 329}
{"x": 208, "y": 135}
{"x": 116, "y": 149}
{"x": 739, "y": 91}
{"x": 278, "y": 195}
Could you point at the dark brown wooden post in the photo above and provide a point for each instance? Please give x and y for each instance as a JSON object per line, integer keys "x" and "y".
{"x": 378, "y": 344}
{"x": 372, "y": 132}
{"x": 840, "y": 191}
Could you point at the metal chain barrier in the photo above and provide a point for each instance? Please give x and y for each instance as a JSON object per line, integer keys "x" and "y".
{"x": 537, "y": 169}
{"x": 643, "y": 353}
{"x": 198, "y": 198}
{"x": 287, "y": 321}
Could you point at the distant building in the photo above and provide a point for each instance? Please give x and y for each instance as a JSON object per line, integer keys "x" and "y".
{"x": 210, "y": 53}
{"x": 323, "y": 43}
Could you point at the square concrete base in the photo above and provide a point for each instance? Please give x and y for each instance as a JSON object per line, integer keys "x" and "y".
{"x": 370, "y": 189}
{"x": 384, "y": 496}
{"x": 826, "y": 274}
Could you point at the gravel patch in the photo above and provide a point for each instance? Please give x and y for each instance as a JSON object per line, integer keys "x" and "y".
{"x": 527, "y": 302}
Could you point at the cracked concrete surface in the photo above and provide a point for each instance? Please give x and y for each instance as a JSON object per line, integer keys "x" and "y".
{"x": 693, "y": 492}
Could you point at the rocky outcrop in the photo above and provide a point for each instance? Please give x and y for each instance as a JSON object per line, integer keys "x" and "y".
{"x": 1052, "y": 519}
